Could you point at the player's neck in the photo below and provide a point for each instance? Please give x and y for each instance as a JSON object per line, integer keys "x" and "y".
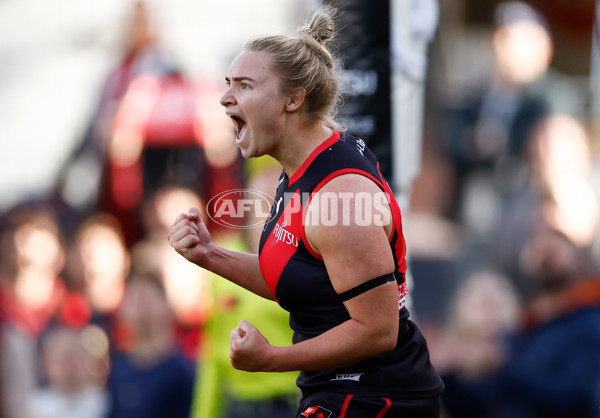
{"x": 299, "y": 143}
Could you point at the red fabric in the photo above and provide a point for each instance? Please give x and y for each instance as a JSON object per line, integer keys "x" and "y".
{"x": 76, "y": 310}
{"x": 120, "y": 205}
{"x": 161, "y": 113}
{"x": 388, "y": 405}
{"x": 31, "y": 320}
{"x": 221, "y": 179}
{"x": 161, "y": 110}
{"x": 173, "y": 121}
{"x": 345, "y": 406}
{"x": 329, "y": 142}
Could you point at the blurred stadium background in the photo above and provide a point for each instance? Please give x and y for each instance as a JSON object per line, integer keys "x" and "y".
{"x": 56, "y": 54}
{"x": 492, "y": 143}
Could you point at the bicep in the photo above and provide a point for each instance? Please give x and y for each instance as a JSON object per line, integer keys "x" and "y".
{"x": 356, "y": 252}
{"x": 354, "y": 260}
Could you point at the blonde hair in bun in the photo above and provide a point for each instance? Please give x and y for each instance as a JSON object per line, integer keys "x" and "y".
{"x": 305, "y": 61}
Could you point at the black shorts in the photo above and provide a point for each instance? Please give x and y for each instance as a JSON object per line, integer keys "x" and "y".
{"x": 337, "y": 405}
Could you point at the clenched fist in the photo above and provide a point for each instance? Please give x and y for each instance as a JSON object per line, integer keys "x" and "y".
{"x": 190, "y": 237}
{"x": 248, "y": 349}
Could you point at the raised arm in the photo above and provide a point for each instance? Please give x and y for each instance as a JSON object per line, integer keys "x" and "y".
{"x": 190, "y": 238}
{"x": 353, "y": 254}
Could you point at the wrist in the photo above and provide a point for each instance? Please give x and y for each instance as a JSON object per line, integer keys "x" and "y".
{"x": 208, "y": 262}
{"x": 273, "y": 362}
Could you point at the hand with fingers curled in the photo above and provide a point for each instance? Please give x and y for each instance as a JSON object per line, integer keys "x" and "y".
{"x": 190, "y": 237}
{"x": 248, "y": 348}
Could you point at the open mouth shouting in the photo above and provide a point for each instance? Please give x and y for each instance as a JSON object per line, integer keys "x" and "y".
{"x": 239, "y": 125}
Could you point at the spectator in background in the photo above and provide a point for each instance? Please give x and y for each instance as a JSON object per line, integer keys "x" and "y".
{"x": 31, "y": 297}
{"x": 98, "y": 265}
{"x": 187, "y": 289}
{"x": 562, "y": 160}
{"x": 436, "y": 243}
{"x": 86, "y": 178}
{"x": 483, "y": 313}
{"x": 553, "y": 368}
{"x": 70, "y": 390}
{"x": 160, "y": 205}
{"x": 149, "y": 377}
{"x": 488, "y": 130}
{"x": 554, "y": 189}
{"x": 156, "y": 141}
{"x": 152, "y": 127}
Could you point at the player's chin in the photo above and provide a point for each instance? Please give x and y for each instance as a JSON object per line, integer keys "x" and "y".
{"x": 248, "y": 152}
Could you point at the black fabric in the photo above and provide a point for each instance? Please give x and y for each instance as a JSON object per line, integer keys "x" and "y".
{"x": 366, "y": 286}
{"x": 348, "y": 405}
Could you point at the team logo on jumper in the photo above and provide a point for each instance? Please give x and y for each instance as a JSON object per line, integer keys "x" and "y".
{"x": 277, "y": 204}
{"x": 347, "y": 376}
{"x": 316, "y": 412}
{"x": 402, "y": 294}
{"x": 360, "y": 145}
{"x": 274, "y": 212}
{"x": 283, "y": 235}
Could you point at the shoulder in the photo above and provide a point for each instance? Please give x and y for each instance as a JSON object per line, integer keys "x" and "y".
{"x": 354, "y": 197}
{"x": 348, "y": 149}
{"x": 351, "y": 182}
{"x": 355, "y": 145}
{"x": 347, "y": 208}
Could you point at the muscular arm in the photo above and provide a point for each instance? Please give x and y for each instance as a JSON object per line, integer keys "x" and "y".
{"x": 189, "y": 237}
{"x": 353, "y": 254}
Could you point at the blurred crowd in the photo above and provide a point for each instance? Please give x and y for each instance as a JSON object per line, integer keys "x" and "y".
{"x": 99, "y": 317}
{"x": 503, "y": 228}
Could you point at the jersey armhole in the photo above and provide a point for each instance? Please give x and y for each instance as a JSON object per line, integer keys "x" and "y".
{"x": 321, "y": 184}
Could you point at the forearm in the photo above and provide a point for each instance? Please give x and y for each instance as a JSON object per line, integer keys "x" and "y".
{"x": 240, "y": 268}
{"x": 344, "y": 345}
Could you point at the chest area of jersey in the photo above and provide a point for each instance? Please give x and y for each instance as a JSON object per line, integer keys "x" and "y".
{"x": 290, "y": 271}
{"x": 281, "y": 237}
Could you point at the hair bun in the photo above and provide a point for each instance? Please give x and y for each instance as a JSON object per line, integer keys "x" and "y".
{"x": 313, "y": 33}
{"x": 321, "y": 25}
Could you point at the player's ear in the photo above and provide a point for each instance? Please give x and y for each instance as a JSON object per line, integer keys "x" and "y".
{"x": 295, "y": 99}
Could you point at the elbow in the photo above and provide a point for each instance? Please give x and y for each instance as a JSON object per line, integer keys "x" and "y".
{"x": 382, "y": 335}
{"x": 389, "y": 342}
{"x": 386, "y": 340}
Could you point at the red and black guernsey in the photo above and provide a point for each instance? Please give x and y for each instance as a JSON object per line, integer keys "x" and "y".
{"x": 300, "y": 283}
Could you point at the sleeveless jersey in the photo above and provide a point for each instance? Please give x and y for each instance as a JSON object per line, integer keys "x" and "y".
{"x": 298, "y": 279}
